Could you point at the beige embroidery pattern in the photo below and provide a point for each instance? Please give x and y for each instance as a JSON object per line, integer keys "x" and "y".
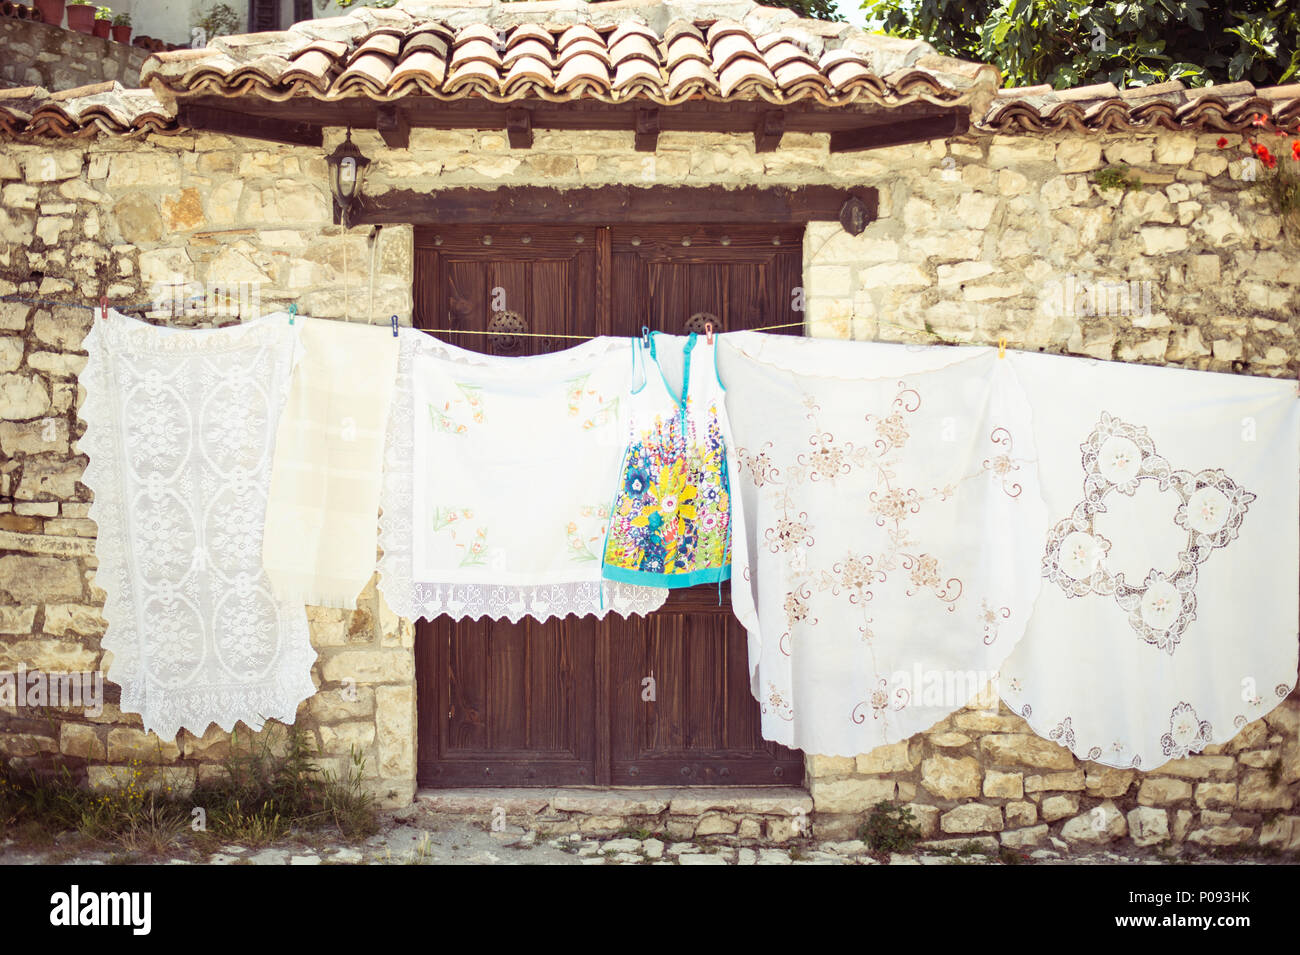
{"x": 856, "y": 575}
{"x": 1117, "y": 457}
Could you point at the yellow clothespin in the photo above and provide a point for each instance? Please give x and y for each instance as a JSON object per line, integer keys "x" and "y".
{"x": 1002, "y": 348}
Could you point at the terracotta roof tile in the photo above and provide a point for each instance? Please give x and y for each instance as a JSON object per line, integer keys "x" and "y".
{"x": 582, "y": 45}
{"x": 369, "y": 72}
{"x": 635, "y": 45}
{"x": 439, "y": 44}
{"x": 691, "y": 76}
{"x": 582, "y": 69}
{"x": 528, "y": 69}
{"x": 653, "y": 51}
{"x": 633, "y": 71}
{"x": 642, "y": 47}
{"x": 528, "y": 47}
{"x": 421, "y": 71}
{"x": 1228, "y": 107}
{"x": 388, "y": 44}
{"x": 683, "y": 47}
{"x": 312, "y": 67}
{"x": 744, "y": 74}
{"x": 478, "y": 31}
{"x": 473, "y": 75}
{"x": 777, "y": 55}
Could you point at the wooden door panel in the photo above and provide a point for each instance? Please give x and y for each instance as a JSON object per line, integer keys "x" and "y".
{"x": 560, "y": 703}
{"x": 516, "y": 702}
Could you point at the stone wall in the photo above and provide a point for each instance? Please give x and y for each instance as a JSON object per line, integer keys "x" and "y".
{"x": 978, "y": 238}
{"x": 38, "y": 54}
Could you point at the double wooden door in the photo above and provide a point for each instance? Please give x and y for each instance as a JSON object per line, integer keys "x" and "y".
{"x": 657, "y": 700}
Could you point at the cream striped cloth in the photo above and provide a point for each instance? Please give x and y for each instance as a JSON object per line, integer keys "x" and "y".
{"x": 319, "y": 546}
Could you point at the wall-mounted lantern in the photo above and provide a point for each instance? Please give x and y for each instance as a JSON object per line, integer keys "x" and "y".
{"x": 347, "y": 168}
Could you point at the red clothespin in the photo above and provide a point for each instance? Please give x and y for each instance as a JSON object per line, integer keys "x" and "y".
{"x": 708, "y": 333}
{"x": 103, "y": 307}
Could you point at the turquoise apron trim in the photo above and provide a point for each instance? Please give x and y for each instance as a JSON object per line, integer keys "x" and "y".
{"x": 709, "y": 575}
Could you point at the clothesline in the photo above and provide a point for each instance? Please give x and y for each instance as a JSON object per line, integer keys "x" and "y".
{"x": 927, "y": 330}
{"x": 761, "y": 328}
{"x": 50, "y": 303}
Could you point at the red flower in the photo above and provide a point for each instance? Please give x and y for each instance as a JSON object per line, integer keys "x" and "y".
{"x": 1258, "y": 120}
{"x": 1222, "y": 142}
{"x": 1295, "y": 150}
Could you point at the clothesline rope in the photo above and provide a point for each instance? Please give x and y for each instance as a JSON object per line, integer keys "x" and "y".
{"x": 473, "y": 331}
{"x": 761, "y": 328}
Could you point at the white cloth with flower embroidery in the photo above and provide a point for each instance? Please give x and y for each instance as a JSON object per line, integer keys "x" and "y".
{"x": 887, "y": 532}
{"x": 498, "y": 477}
{"x": 180, "y": 427}
{"x": 1168, "y": 615}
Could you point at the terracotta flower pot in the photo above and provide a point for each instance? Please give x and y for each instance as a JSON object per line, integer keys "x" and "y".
{"x": 102, "y": 28}
{"x": 51, "y": 11}
{"x": 122, "y": 32}
{"x": 81, "y": 18}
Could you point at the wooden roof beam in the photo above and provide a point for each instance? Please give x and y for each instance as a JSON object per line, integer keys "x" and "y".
{"x": 519, "y": 128}
{"x": 768, "y": 132}
{"x": 393, "y": 125}
{"x": 647, "y": 129}
{"x": 900, "y": 132}
{"x": 249, "y": 126}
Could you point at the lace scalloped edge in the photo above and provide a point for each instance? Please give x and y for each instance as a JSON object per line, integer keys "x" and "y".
{"x": 1216, "y": 739}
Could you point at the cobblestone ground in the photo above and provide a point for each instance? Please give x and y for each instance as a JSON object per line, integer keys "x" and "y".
{"x": 421, "y": 841}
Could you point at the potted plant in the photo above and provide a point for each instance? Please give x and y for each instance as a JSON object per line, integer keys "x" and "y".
{"x": 122, "y": 28}
{"x": 81, "y": 16}
{"x": 103, "y": 22}
{"x": 51, "y": 11}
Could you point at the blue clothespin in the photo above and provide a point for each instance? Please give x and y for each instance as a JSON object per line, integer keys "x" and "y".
{"x": 394, "y": 326}
{"x": 645, "y": 335}
{"x": 293, "y": 310}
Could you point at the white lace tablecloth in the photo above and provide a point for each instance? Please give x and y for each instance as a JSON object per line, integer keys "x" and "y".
{"x": 180, "y": 427}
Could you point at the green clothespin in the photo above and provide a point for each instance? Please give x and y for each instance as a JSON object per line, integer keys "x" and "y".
{"x": 293, "y": 310}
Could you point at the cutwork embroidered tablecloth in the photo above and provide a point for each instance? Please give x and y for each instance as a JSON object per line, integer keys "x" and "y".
{"x": 1168, "y": 615}
{"x": 887, "y": 533}
{"x": 180, "y": 427}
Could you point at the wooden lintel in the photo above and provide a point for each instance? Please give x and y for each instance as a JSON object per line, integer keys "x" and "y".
{"x": 519, "y": 128}
{"x": 393, "y": 125}
{"x": 647, "y": 129}
{"x": 770, "y": 129}
{"x": 612, "y": 205}
{"x": 901, "y": 132}
{"x": 230, "y": 123}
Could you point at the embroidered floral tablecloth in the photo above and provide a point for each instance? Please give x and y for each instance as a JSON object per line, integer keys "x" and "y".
{"x": 888, "y": 533}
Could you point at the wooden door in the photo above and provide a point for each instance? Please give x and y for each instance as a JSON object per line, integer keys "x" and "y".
{"x": 661, "y": 700}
